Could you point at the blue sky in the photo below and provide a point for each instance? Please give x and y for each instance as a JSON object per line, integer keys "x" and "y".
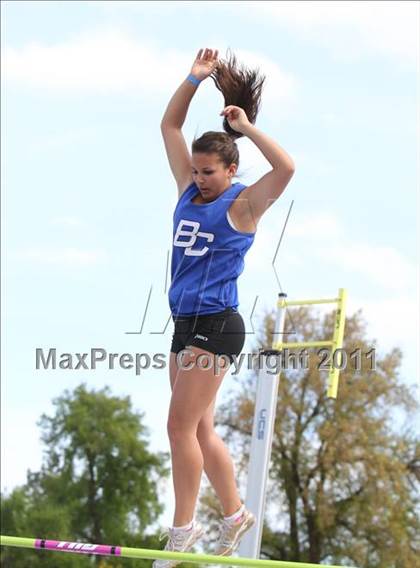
{"x": 88, "y": 196}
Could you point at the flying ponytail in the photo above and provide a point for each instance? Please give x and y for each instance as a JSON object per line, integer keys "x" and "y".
{"x": 241, "y": 87}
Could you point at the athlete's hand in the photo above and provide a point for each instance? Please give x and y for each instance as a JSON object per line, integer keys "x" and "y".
{"x": 205, "y": 63}
{"x": 236, "y": 117}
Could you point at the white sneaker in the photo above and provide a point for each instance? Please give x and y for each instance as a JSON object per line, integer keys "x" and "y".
{"x": 179, "y": 541}
{"x": 231, "y": 533}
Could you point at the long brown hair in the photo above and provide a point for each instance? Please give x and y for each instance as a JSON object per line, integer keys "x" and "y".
{"x": 241, "y": 87}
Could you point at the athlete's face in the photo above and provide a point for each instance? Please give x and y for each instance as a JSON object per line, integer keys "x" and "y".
{"x": 211, "y": 175}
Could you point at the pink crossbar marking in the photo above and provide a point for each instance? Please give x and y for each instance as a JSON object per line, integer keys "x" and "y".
{"x": 79, "y": 547}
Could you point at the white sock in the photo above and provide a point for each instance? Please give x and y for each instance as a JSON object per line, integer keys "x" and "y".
{"x": 186, "y": 527}
{"x": 236, "y": 516}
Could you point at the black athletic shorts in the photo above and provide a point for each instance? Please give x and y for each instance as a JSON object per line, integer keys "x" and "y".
{"x": 222, "y": 333}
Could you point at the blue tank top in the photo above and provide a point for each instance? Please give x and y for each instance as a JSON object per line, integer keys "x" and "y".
{"x": 207, "y": 254}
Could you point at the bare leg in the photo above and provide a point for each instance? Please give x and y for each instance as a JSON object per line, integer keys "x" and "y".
{"x": 192, "y": 393}
{"x": 218, "y": 464}
{"x": 206, "y": 449}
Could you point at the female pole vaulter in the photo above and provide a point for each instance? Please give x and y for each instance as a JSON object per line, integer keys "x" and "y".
{"x": 215, "y": 222}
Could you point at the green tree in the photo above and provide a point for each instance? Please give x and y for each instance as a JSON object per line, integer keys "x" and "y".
{"x": 343, "y": 472}
{"x": 98, "y": 483}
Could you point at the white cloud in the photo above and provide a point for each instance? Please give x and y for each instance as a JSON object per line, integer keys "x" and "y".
{"x": 350, "y": 29}
{"x": 307, "y": 162}
{"x": 106, "y": 60}
{"x": 113, "y": 60}
{"x": 385, "y": 267}
{"x": 319, "y": 225}
{"x": 394, "y": 321}
{"x": 260, "y": 255}
{"x": 325, "y": 238}
{"x": 256, "y": 164}
{"x": 67, "y": 257}
{"x": 329, "y": 240}
{"x": 381, "y": 281}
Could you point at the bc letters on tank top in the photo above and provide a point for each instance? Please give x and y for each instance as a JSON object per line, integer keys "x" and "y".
{"x": 207, "y": 254}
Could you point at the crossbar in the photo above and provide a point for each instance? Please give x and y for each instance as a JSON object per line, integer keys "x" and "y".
{"x": 123, "y": 551}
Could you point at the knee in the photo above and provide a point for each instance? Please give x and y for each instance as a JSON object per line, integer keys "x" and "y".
{"x": 205, "y": 434}
{"x": 177, "y": 428}
{"x": 173, "y": 428}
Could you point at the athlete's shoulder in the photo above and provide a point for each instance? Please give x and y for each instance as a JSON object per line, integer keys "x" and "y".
{"x": 186, "y": 194}
{"x": 189, "y": 187}
{"x": 235, "y": 190}
{"x": 238, "y": 186}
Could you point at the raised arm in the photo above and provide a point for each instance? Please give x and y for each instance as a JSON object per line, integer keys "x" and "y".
{"x": 257, "y": 198}
{"x": 176, "y": 148}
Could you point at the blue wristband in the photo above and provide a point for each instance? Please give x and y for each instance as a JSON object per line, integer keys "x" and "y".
{"x": 193, "y": 80}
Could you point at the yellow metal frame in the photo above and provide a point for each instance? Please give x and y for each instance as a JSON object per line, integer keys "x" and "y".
{"x": 335, "y": 343}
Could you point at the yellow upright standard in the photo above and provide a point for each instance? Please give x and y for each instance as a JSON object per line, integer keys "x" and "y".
{"x": 335, "y": 343}
{"x": 265, "y": 411}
